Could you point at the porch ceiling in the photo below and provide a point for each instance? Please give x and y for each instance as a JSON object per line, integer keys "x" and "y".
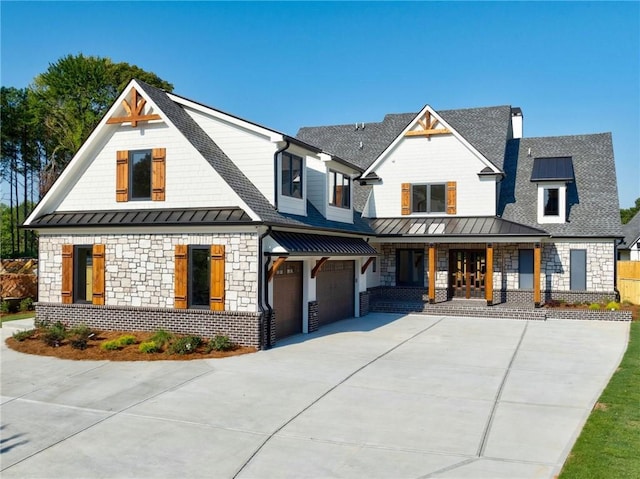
{"x": 460, "y": 229}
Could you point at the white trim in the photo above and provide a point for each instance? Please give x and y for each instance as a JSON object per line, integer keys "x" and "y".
{"x": 401, "y": 136}
{"x": 561, "y": 217}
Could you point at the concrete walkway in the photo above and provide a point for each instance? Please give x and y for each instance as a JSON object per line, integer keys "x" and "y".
{"x": 383, "y": 396}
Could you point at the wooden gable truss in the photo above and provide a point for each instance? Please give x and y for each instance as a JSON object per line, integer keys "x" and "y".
{"x": 428, "y": 125}
{"x": 135, "y": 111}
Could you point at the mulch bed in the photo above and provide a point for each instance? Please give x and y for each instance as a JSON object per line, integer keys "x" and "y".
{"x": 35, "y": 345}
{"x": 634, "y": 308}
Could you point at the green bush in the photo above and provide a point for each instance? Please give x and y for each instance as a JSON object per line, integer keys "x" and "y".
{"x": 22, "y": 335}
{"x": 184, "y": 345}
{"x": 126, "y": 340}
{"x": 161, "y": 337}
{"x": 5, "y": 307}
{"x": 79, "y": 336}
{"x": 112, "y": 345}
{"x": 613, "y": 306}
{"x": 26, "y": 305}
{"x": 148, "y": 347}
{"x": 219, "y": 343}
{"x": 54, "y": 334}
{"x": 595, "y": 306}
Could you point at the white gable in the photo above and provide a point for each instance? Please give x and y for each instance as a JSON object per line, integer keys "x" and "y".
{"x": 89, "y": 181}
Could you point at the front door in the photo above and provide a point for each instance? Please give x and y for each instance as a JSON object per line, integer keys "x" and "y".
{"x": 466, "y": 272}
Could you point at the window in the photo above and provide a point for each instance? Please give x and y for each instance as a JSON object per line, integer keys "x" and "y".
{"x": 83, "y": 274}
{"x": 578, "y": 270}
{"x": 525, "y": 269}
{"x": 291, "y": 175}
{"x": 339, "y": 189}
{"x": 409, "y": 267}
{"x": 199, "y": 277}
{"x": 140, "y": 175}
{"x": 428, "y": 198}
{"x": 551, "y": 202}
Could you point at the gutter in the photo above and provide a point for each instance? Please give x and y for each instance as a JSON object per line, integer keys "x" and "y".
{"x": 275, "y": 171}
{"x": 260, "y": 295}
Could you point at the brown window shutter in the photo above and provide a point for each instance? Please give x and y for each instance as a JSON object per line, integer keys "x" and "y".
{"x": 451, "y": 198}
{"x": 216, "y": 299}
{"x": 122, "y": 176}
{"x": 158, "y": 174}
{"x": 406, "y": 198}
{"x": 180, "y": 276}
{"x": 98, "y": 274}
{"x": 67, "y": 273}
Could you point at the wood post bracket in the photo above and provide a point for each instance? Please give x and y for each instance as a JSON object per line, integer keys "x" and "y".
{"x": 363, "y": 270}
{"x": 274, "y": 267}
{"x": 318, "y": 265}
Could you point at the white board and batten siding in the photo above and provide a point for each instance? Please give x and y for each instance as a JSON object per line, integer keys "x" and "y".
{"x": 191, "y": 182}
{"x": 251, "y": 151}
{"x": 317, "y": 184}
{"x": 439, "y": 159}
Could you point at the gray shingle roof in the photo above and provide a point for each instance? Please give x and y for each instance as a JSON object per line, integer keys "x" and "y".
{"x": 631, "y": 231}
{"x": 213, "y": 154}
{"x": 592, "y": 199}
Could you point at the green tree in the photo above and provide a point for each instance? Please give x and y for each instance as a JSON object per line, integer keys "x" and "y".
{"x": 627, "y": 213}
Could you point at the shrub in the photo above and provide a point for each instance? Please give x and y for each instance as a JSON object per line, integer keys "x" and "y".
{"x": 54, "y": 334}
{"x": 185, "y": 345}
{"x": 161, "y": 337}
{"x": 219, "y": 343}
{"x": 148, "y": 347}
{"x": 5, "y": 307}
{"x": 26, "y": 305}
{"x": 126, "y": 340}
{"x": 22, "y": 335}
{"x": 112, "y": 345}
{"x": 595, "y": 306}
{"x": 79, "y": 336}
{"x": 613, "y": 306}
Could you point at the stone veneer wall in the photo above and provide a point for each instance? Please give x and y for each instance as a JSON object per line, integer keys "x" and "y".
{"x": 139, "y": 268}
{"x": 242, "y": 327}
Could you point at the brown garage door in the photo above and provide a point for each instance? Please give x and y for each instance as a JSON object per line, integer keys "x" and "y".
{"x": 287, "y": 299}
{"x": 334, "y": 290}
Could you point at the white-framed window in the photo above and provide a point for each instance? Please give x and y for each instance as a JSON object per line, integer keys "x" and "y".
{"x": 339, "y": 189}
{"x": 429, "y": 198}
{"x": 552, "y": 203}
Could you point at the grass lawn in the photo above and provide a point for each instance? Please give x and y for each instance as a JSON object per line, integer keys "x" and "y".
{"x": 609, "y": 445}
{"x": 13, "y": 317}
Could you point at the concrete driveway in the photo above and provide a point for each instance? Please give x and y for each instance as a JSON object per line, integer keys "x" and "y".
{"x": 386, "y": 396}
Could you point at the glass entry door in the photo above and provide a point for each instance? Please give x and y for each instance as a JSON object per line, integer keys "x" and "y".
{"x": 466, "y": 270}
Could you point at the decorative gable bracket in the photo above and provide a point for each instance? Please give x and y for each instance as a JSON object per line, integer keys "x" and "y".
{"x": 427, "y": 126}
{"x": 134, "y": 111}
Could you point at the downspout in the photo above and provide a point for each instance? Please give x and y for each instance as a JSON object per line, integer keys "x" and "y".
{"x": 615, "y": 268}
{"x": 260, "y": 297}
{"x": 275, "y": 173}
{"x": 266, "y": 301}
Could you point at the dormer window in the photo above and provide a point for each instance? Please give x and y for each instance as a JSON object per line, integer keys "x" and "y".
{"x": 552, "y": 176}
{"x": 339, "y": 189}
{"x": 292, "y": 175}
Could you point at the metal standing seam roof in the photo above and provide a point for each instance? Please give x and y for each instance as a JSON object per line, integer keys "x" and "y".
{"x": 440, "y": 227}
{"x": 552, "y": 169}
{"x": 191, "y": 217}
{"x": 302, "y": 244}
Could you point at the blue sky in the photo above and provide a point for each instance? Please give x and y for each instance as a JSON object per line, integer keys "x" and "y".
{"x": 573, "y": 67}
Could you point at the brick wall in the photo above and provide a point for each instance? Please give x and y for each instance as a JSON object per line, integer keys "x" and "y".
{"x": 241, "y": 327}
{"x": 364, "y": 303}
{"x": 314, "y": 320}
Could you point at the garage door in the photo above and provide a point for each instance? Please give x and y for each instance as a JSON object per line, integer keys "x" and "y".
{"x": 334, "y": 290}
{"x": 287, "y": 299}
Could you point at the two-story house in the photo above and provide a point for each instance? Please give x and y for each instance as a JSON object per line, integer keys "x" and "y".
{"x": 176, "y": 215}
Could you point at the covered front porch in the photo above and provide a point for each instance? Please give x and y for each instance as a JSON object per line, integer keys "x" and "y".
{"x": 468, "y": 261}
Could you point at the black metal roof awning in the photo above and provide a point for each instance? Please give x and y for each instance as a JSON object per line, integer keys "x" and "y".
{"x": 169, "y": 217}
{"x": 552, "y": 169}
{"x": 456, "y": 227}
{"x": 303, "y": 244}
